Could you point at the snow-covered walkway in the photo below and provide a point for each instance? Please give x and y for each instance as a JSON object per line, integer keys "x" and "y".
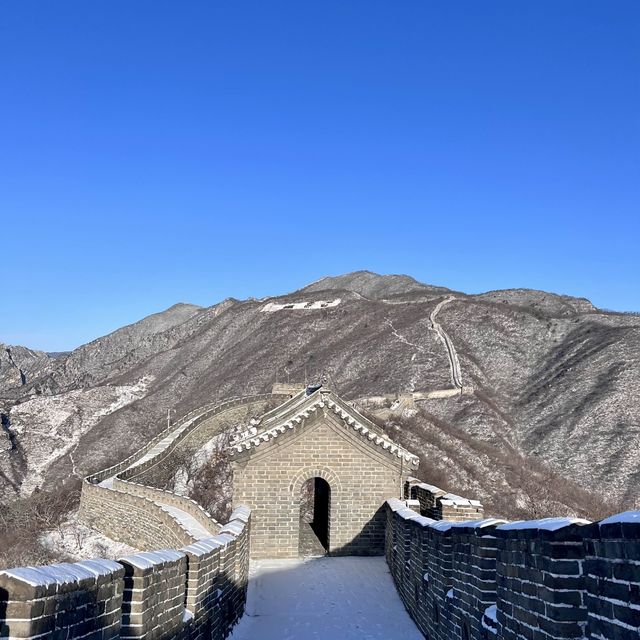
{"x": 324, "y": 599}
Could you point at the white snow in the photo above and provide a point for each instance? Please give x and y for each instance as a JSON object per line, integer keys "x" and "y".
{"x": 79, "y": 542}
{"x": 149, "y": 559}
{"x": 62, "y": 573}
{"x": 490, "y": 613}
{"x": 50, "y": 427}
{"x": 477, "y": 524}
{"x": 188, "y": 522}
{"x": 626, "y": 516}
{"x": 344, "y": 598}
{"x": 546, "y": 524}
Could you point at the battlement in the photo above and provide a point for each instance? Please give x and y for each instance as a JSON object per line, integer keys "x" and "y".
{"x": 545, "y": 579}
{"x": 439, "y": 504}
{"x": 191, "y": 593}
{"x": 460, "y": 575}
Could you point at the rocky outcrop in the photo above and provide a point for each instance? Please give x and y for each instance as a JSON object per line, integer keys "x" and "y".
{"x": 19, "y": 365}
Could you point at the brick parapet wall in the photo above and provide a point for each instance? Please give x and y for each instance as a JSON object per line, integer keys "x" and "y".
{"x": 134, "y": 520}
{"x": 473, "y": 572}
{"x": 202, "y": 429}
{"x": 154, "y": 592}
{"x": 540, "y": 580}
{"x": 438, "y": 504}
{"x": 195, "y": 417}
{"x": 612, "y": 578}
{"x": 167, "y": 497}
{"x": 131, "y": 512}
{"x": 218, "y": 578}
{"x": 77, "y": 600}
{"x": 192, "y": 593}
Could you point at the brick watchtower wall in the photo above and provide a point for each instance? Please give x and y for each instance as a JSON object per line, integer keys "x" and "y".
{"x": 318, "y": 436}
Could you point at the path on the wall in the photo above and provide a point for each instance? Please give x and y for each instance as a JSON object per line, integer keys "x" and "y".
{"x": 456, "y": 374}
{"x": 187, "y": 522}
{"x": 344, "y": 598}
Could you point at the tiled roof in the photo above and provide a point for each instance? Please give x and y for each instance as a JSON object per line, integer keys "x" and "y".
{"x": 327, "y": 401}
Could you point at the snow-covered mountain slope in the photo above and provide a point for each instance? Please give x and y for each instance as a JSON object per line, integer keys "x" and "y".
{"x": 551, "y": 377}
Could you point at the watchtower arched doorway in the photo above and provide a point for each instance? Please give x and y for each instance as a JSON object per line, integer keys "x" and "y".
{"x": 315, "y": 509}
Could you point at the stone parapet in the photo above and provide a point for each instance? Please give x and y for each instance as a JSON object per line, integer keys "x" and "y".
{"x": 612, "y": 577}
{"x": 159, "y": 496}
{"x": 438, "y": 504}
{"x": 154, "y": 591}
{"x": 79, "y": 600}
{"x": 134, "y": 520}
{"x": 548, "y": 579}
{"x": 540, "y": 579}
{"x": 194, "y": 593}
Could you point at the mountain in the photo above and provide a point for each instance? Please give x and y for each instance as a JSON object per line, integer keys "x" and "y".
{"x": 371, "y": 285}
{"x": 548, "y": 381}
{"x": 19, "y": 364}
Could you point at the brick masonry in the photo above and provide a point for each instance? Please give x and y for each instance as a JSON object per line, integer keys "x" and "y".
{"x": 538, "y": 580}
{"x": 460, "y": 575}
{"x": 192, "y": 593}
{"x": 318, "y": 439}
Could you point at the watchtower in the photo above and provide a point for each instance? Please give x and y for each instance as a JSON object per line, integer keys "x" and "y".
{"x": 316, "y": 453}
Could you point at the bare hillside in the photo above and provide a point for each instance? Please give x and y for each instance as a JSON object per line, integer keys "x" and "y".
{"x": 546, "y": 377}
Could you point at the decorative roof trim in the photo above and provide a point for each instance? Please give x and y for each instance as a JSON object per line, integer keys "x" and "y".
{"x": 253, "y": 437}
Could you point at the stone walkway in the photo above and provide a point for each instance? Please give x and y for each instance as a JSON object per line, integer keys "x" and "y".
{"x": 324, "y": 599}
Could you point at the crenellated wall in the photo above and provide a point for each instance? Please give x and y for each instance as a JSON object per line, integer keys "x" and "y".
{"x": 548, "y": 579}
{"x": 192, "y": 593}
{"x": 461, "y": 576}
{"x": 439, "y": 504}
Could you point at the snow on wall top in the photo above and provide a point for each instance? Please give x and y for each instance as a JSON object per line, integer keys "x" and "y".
{"x": 544, "y": 524}
{"x": 626, "y": 516}
{"x": 63, "y": 573}
{"x": 256, "y": 435}
{"x": 451, "y": 499}
{"x": 150, "y": 559}
{"x": 479, "y": 524}
{"x": 414, "y": 482}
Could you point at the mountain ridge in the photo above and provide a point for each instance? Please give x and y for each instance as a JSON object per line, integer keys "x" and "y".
{"x": 544, "y": 370}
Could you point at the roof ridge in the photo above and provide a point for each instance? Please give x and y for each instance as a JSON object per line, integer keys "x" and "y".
{"x": 254, "y": 436}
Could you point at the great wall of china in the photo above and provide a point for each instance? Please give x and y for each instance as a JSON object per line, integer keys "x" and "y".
{"x": 459, "y": 574}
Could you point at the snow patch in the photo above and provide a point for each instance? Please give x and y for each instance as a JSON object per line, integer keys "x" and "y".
{"x": 50, "y": 427}
{"x": 77, "y": 541}
{"x": 345, "y": 598}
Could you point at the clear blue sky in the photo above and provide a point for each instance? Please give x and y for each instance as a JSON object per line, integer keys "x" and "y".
{"x": 153, "y": 152}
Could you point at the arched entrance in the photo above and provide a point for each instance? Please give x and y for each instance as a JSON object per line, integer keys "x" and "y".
{"x": 315, "y": 509}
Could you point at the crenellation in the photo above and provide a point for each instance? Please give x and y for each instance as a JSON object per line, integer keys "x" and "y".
{"x": 546, "y": 579}
{"x": 460, "y": 575}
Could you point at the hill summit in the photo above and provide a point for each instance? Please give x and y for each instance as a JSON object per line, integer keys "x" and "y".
{"x": 482, "y": 386}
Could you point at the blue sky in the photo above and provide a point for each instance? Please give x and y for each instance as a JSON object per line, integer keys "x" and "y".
{"x": 153, "y": 152}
